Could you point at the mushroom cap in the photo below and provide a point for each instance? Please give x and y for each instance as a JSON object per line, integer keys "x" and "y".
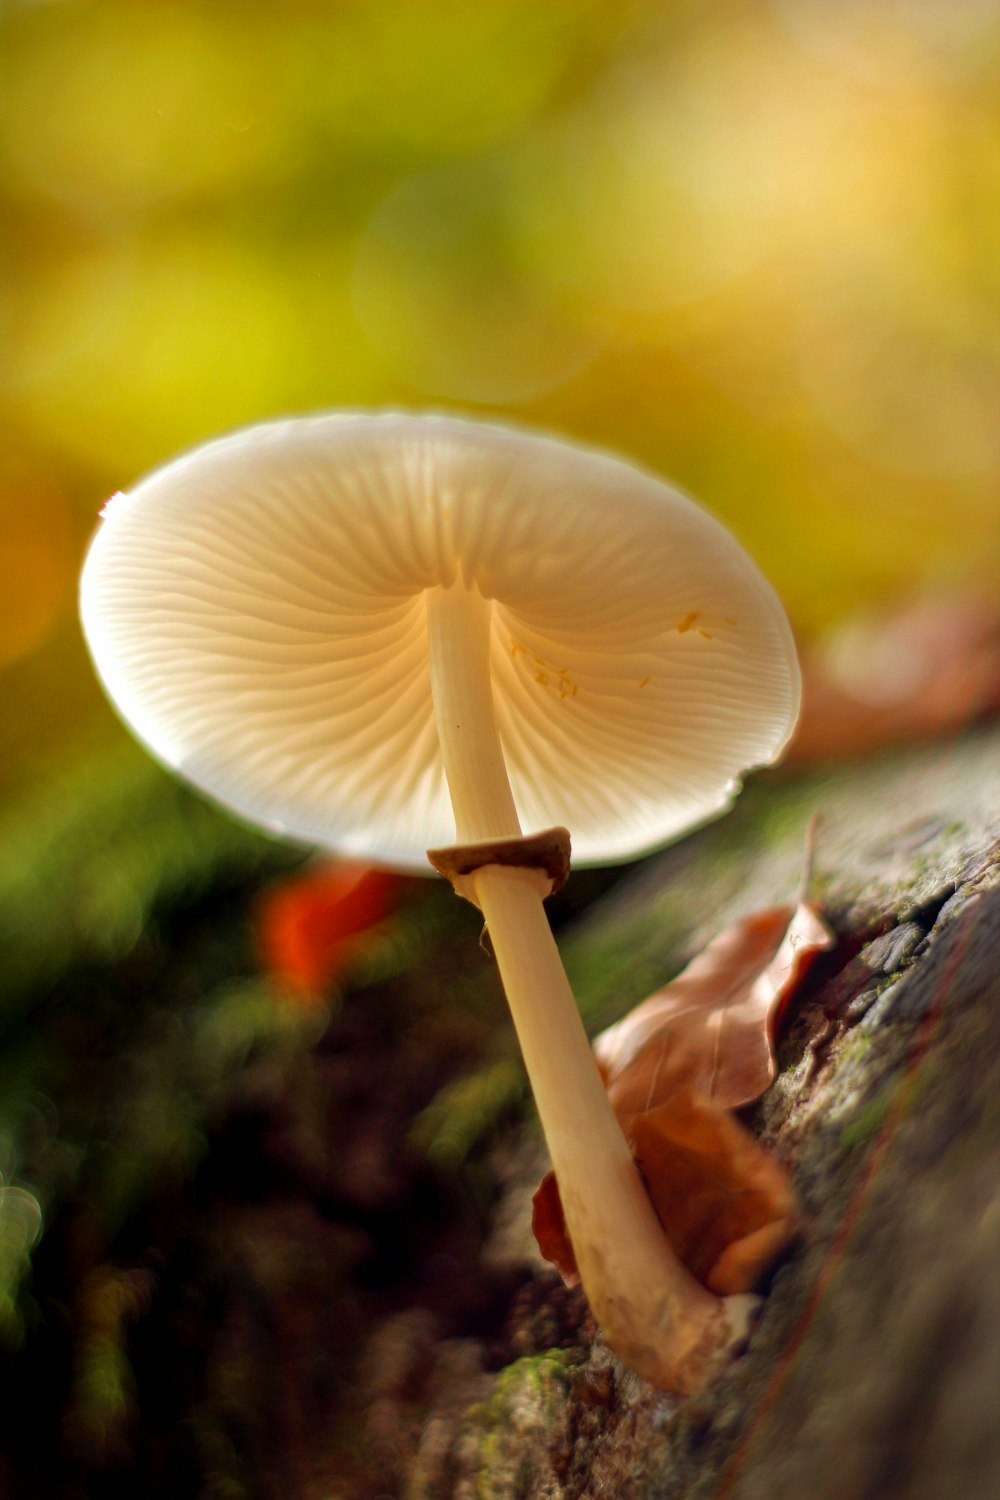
{"x": 256, "y": 612}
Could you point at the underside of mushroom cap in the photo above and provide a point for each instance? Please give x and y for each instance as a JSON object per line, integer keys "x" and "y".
{"x": 257, "y": 612}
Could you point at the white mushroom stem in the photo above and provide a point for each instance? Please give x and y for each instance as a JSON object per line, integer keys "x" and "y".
{"x": 654, "y": 1314}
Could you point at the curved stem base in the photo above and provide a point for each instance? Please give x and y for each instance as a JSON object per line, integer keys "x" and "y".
{"x": 654, "y": 1314}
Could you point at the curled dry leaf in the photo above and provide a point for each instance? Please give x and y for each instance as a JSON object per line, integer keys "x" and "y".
{"x": 674, "y": 1067}
{"x": 728, "y": 1202}
{"x": 309, "y": 927}
{"x": 726, "y": 1206}
{"x": 713, "y": 1028}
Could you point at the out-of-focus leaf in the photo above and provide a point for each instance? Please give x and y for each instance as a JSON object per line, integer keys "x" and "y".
{"x": 928, "y": 669}
{"x": 20, "y": 1229}
{"x": 99, "y": 847}
{"x": 465, "y": 1111}
{"x": 101, "y": 1411}
{"x": 311, "y": 926}
{"x": 548, "y": 1225}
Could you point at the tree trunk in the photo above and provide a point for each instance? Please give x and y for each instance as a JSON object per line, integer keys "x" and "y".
{"x": 874, "y": 1369}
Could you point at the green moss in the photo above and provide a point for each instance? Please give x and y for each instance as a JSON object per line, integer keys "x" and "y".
{"x": 96, "y": 873}
{"x": 856, "y": 1046}
{"x": 536, "y": 1373}
{"x": 526, "y": 1399}
{"x": 868, "y": 1123}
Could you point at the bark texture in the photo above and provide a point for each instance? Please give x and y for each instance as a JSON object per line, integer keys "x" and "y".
{"x": 873, "y": 1371}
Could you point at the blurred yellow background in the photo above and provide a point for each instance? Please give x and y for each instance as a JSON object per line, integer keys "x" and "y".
{"x": 752, "y": 244}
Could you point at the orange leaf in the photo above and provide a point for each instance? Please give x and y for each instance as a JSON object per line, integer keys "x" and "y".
{"x": 548, "y": 1225}
{"x": 725, "y": 1204}
{"x": 309, "y": 927}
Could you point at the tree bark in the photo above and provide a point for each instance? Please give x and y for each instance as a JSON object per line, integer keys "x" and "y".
{"x": 873, "y": 1371}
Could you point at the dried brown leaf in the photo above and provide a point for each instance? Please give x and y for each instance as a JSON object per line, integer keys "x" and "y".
{"x": 725, "y": 1204}
{"x": 674, "y": 1067}
{"x": 712, "y": 1029}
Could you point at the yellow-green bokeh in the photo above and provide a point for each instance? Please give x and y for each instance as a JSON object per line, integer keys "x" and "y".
{"x": 753, "y": 244}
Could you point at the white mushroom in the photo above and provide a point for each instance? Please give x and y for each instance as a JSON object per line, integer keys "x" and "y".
{"x": 377, "y": 632}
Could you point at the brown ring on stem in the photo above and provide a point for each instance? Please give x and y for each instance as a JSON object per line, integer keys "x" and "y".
{"x": 546, "y": 854}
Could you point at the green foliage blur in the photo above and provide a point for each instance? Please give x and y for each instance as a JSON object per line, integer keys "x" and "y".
{"x": 751, "y": 244}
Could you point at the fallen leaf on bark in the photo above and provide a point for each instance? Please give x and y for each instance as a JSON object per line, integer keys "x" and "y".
{"x": 713, "y": 1028}
{"x": 308, "y": 928}
{"x": 726, "y": 1205}
{"x": 674, "y": 1067}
